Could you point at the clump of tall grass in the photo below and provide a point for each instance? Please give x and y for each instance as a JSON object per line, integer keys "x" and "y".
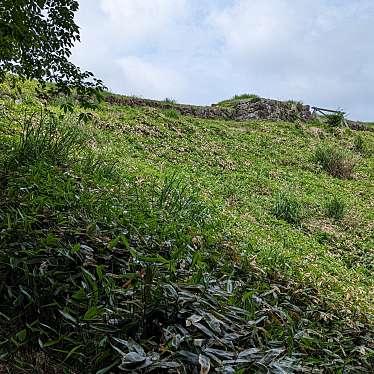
{"x": 46, "y": 137}
{"x": 172, "y": 113}
{"x": 98, "y": 165}
{"x": 335, "y": 208}
{"x": 288, "y": 208}
{"x": 359, "y": 144}
{"x": 335, "y": 161}
{"x": 164, "y": 210}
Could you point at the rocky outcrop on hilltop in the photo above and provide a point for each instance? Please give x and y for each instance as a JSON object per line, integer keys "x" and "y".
{"x": 259, "y": 109}
{"x": 271, "y": 110}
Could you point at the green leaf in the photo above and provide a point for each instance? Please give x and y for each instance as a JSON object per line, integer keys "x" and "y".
{"x": 155, "y": 259}
{"x": 99, "y": 271}
{"x": 85, "y": 117}
{"x": 68, "y": 316}
{"x": 48, "y": 343}
{"x": 21, "y": 335}
{"x": 73, "y": 351}
{"x": 91, "y": 313}
{"x": 67, "y": 107}
{"x": 79, "y": 295}
{"x": 75, "y": 248}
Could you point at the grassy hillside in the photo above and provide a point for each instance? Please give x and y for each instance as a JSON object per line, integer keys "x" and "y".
{"x": 141, "y": 239}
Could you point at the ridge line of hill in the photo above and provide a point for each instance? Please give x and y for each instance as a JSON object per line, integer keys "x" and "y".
{"x": 242, "y": 110}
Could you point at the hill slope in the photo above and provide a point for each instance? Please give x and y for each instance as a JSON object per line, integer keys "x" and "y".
{"x": 149, "y": 240}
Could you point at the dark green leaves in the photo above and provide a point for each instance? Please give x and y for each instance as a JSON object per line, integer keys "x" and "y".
{"x": 36, "y": 38}
{"x": 91, "y": 313}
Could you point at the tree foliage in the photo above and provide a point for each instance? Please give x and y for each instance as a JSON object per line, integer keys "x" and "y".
{"x": 36, "y": 38}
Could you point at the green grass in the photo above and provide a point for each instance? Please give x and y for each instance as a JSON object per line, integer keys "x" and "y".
{"x": 239, "y": 98}
{"x": 359, "y": 144}
{"x": 244, "y": 97}
{"x": 335, "y": 160}
{"x": 46, "y": 137}
{"x": 335, "y": 208}
{"x": 142, "y": 219}
{"x": 288, "y": 208}
{"x": 172, "y": 113}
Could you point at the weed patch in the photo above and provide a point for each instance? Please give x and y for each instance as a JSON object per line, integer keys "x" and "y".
{"x": 335, "y": 208}
{"x": 288, "y": 208}
{"x": 359, "y": 144}
{"x": 245, "y": 97}
{"x": 45, "y": 137}
{"x": 172, "y": 113}
{"x": 238, "y": 98}
{"x": 335, "y": 161}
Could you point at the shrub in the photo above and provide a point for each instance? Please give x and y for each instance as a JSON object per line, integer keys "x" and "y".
{"x": 335, "y": 208}
{"x": 172, "y": 113}
{"x": 335, "y": 161}
{"x": 335, "y": 120}
{"x": 359, "y": 144}
{"x": 288, "y": 208}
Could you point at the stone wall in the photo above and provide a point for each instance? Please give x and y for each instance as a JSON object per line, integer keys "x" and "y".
{"x": 360, "y": 126}
{"x": 271, "y": 110}
{"x": 241, "y": 111}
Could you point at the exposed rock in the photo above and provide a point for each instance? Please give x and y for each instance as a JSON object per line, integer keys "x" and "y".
{"x": 242, "y": 111}
{"x": 271, "y": 110}
{"x": 356, "y": 125}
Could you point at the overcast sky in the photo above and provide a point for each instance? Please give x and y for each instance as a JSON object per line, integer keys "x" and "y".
{"x": 201, "y": 51}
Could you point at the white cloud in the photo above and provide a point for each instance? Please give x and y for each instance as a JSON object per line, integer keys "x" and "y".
{"x": 315, "y": 51}
{"x": 255, "y": 26}
{"x": 200, "y": 51}
{"x": 139, "y": 22}
{"x": 142, "y": 76}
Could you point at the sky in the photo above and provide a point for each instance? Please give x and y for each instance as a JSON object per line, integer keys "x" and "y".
{"x": 320, "y": 52}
